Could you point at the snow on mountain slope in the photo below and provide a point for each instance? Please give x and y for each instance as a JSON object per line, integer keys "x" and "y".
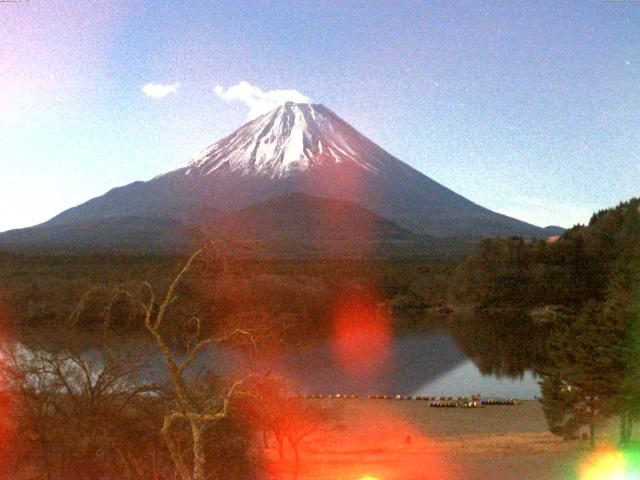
{"x": 292, "y": 138}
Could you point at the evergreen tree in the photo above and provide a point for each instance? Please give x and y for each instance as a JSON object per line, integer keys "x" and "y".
{"x": 622, "y": 309}
{"x": 558, "y": 402}
{"x": 587, "y": 364}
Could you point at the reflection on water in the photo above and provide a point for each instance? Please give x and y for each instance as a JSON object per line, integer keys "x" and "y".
{"x": 466, "y": 380}
{"x": 426, "y": 364}
{"x": 430, "y": 364}
{"x": 413, "y": 360}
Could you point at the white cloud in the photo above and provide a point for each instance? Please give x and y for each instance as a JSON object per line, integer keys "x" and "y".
{"x": 159, "y": 90}
{"x": 258, "y": 101}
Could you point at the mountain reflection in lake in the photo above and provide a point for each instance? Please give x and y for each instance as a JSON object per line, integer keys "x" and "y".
{"x": 420, "y": 364}
{"x": 428, "y": 364}
{"x": 466, "y": 379}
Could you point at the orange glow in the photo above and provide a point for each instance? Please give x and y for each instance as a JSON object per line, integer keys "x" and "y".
{"x": 367, "y": 440}
{"x": 373, "y": 447}
{"x": 7, "y": 401}
{"x": 362, "y": 334}
{"x": 7, "y": 432}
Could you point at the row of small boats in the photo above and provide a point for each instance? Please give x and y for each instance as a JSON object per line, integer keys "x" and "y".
{"x": 475, "y": 401}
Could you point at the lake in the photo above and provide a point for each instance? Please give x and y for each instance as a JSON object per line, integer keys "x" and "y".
{"x": 418, "y": 364}
{"x": 426, "y": 364}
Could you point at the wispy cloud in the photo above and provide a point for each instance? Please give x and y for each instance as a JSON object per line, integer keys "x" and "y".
{"x": 159, "y": 90}
{"x": 258, "y": 100}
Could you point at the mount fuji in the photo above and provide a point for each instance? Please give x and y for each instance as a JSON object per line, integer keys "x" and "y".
{"x": 303, "y": 149}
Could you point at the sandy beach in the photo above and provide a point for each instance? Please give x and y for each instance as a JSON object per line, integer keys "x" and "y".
{"x": 409, "y": 440}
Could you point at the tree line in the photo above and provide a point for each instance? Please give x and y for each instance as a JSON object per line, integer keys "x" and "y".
{"x": 580, "y": 294}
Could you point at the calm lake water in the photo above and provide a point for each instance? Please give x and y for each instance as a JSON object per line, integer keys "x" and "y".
{"x": 466, "y": 379}
{"x": 425, "y": 364}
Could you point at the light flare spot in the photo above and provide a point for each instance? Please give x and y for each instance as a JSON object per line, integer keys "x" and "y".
{"x": 609, "y": 464}
{"x": 362, "y": 334}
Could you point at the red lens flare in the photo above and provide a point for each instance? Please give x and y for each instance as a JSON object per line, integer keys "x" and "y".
{"x": 7, "y": 431}
{"x": 361, "y": 334}
{"x": 375, "y": 444}
{"x": 381, "y": 444}
{"x": 7, "y": 399}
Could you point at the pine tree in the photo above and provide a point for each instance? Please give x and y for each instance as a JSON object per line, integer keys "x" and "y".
{"x": 623, "y": 310}
{"x": 558, "y": 401}
{"x": 585, "y": 372}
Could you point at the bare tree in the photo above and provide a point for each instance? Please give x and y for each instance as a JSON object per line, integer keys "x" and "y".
{"x": 85, "y": 409}
{"x": 101, "y": 302}
{"x": 79, "y": 410}
{"x": 197, "y": 410}
{"x": 273, "y": 409}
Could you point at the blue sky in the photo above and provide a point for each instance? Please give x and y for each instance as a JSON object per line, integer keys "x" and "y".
{"x": 528, "y": 108}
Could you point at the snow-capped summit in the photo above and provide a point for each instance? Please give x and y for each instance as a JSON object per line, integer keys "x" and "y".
{"x": 293, "y": 137}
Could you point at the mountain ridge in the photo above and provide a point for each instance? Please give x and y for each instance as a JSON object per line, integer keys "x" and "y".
{"x": 304, "y": 148}
{"x": 305, "y": 217}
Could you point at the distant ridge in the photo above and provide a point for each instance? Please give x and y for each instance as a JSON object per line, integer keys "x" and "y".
{"x": 307, "y": 218}
{"x": 134, "y": 235}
